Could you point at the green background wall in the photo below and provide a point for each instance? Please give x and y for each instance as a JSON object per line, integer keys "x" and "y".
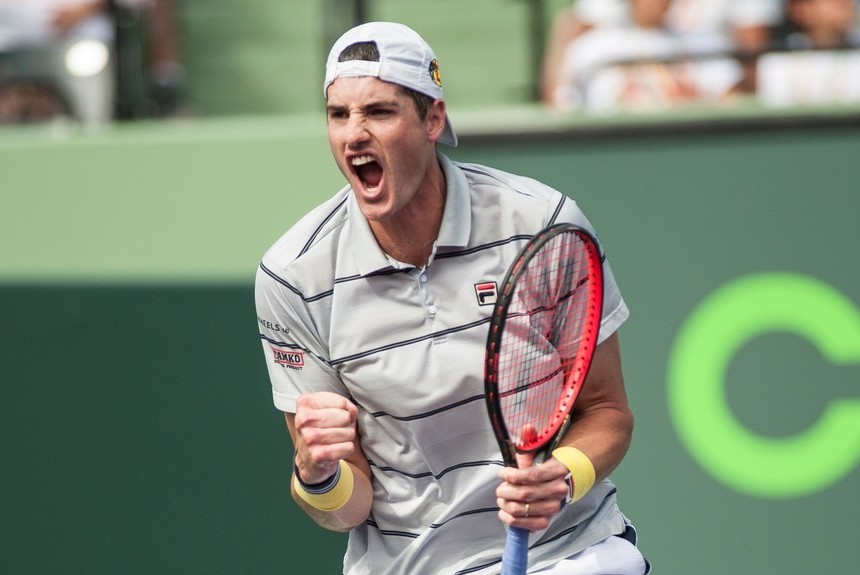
{"x": 267, "y": 56}
{"x": 136, "y": 425}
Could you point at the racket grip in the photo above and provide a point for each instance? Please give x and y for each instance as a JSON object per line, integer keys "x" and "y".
{"x": 515, "y": 559}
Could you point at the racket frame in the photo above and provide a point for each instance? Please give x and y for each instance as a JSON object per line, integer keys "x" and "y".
{"x": 496, "y": 331}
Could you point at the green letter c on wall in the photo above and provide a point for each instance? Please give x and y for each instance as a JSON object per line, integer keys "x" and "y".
{"x": 698, "y": 363}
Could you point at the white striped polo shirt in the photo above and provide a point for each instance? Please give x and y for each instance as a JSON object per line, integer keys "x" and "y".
{"x": 406, "y": 345}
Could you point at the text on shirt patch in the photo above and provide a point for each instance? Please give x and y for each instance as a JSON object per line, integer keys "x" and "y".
{"x": 487, "y": 293}
{"x": 290, "y": 359}
{"x": 272, "y": 326}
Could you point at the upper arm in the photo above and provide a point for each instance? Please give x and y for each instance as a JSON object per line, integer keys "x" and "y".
{"x": 602, "y": 421}
{"x": 604, "y": 385}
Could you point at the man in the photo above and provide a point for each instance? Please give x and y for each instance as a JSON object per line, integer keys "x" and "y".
{"x": 822, "y": 24}
{"x": 712, "y": 25}
{"x": 42, "y": 23}
{"x": 57, "y": 24}
{"x": 601, "y": 74}
{"x": 374, "y": 338}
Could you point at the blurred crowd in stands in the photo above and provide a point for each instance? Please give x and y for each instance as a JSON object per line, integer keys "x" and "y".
{"x": 100, "y": 60}
{"x": 93, "y": 60}
{"x": 606, "y": 55}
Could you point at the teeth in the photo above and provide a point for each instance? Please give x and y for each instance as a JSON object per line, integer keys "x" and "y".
{"x": 361, "y": 160}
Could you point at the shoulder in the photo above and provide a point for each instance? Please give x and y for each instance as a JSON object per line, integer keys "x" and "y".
{"x": 486, "y": 180}
{"x": 508, "y": 202}
{"x": 753, "y": 12}
{"x": 308, "y": 248}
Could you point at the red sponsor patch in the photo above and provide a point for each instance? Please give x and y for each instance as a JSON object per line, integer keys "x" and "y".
{"x": 289, "y": 358}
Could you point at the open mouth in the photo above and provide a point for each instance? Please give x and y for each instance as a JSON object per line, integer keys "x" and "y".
{"x": 368, "y": 171}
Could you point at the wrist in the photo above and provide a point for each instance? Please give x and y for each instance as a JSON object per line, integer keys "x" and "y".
{"x": 318, "y": 487}
{"x": 330, "y": 494}
{"x": 581, "y": 476}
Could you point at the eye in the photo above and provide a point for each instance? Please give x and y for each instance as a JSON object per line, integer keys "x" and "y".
{"x": 337, "y": 114}
{"x": 379, "y": 112}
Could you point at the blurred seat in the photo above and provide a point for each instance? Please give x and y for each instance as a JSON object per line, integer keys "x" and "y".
{"x": 85, "y": 78}
{"x": 810, "y": 77}
{"x": 33, "y": 86}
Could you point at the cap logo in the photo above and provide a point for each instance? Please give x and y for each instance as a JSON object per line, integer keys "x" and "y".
{"x": 436, "y": 73}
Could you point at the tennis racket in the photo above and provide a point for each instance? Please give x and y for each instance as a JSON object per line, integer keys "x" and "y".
{"x": 542, "y": 337}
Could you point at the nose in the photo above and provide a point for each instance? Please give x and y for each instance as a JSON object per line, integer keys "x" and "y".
{"x": 356, "y": 132}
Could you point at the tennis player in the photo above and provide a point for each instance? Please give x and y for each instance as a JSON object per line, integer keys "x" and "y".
{"x": 373, "y": 313}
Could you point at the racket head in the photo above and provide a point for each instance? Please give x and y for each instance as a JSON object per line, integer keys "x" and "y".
{"x": 542, "y": 337}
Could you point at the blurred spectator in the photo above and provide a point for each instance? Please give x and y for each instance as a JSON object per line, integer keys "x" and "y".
{"x": 725, "y": 25}
{"x": 36, "y": 23}
{"x": 822, "y": 65}
{"x": 821, "y": 24}
{"x": 58, "y": 52}
{"x": 743, "y": 25}
{"x": 639, "y": 63}
{"x": 49, "y": 38}
{"x": 166, "y": 73}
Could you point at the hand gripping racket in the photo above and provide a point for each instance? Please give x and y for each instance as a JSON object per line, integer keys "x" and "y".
{"x": 542, "y": 337}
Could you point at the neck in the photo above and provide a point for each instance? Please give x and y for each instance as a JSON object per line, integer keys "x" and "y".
{"x": 409, "y": 237}
{"x": 415, "y": 254}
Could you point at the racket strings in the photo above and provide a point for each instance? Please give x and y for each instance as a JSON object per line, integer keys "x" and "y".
{"x": 549, "y": 303}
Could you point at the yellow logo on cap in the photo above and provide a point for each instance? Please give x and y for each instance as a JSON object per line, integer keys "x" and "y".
{"x": 436, "y": 73}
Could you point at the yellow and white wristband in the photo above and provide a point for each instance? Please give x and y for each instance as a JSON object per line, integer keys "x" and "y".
{"x": 582, "y": 475}
{"x": 331, "y": 494}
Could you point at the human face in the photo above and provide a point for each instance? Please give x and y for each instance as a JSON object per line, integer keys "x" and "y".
{"x": 834, "y": 16}
{"x": 649, "y": 14}
{"x": 382, "y": 146}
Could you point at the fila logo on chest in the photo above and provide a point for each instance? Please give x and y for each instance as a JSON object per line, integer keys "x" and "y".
{"x": 487, "y": 293}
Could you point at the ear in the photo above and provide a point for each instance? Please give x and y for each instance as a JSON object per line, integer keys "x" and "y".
{"x": 435, "y": 121}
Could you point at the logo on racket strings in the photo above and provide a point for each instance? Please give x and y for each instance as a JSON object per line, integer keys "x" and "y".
{"x": 487, "y": 293}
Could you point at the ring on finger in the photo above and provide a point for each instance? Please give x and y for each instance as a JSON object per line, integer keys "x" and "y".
{"x": 526, "y": 512}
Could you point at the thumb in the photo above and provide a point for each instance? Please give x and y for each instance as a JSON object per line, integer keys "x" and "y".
{"x": 528, "y": 435}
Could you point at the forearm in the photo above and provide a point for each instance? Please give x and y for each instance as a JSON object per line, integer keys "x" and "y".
{"x": 604, "y": 436}
{"x": 352, "y": 513}
{"x": 317, "y": 456}
{"x": 591, "y": 449}
{"x": 602, "y": 421}
{"x": 65, "y": 18}
{"x": 93, "y": 7}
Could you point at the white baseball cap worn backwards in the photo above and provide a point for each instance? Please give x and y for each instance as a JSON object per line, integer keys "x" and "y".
{"x": 404, "y": 59}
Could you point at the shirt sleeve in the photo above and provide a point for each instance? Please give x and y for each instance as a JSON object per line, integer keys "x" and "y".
{"x": 600, "y": 12}
{"x": 755, "y": 12}
{"x": 296, "y": 356}
{"x": 615, "y": 310}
